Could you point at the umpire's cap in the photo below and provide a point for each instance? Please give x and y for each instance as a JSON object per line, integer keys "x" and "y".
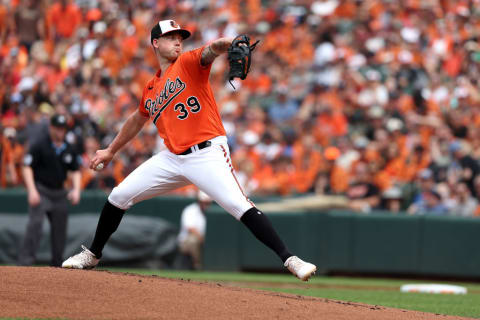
{"x": 167, "y": 26}
{"x": 58, "y": 120}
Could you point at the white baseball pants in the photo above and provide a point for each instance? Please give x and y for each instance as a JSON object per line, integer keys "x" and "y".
{"x": 210, "y": 169}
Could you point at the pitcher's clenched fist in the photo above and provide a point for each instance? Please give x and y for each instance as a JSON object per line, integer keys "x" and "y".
{"x": 101, "y": 159}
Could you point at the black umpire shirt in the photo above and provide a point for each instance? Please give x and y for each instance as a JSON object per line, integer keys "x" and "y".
{"x": 50, "y": 163}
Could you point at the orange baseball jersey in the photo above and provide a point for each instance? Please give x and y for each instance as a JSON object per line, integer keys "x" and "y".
{"x": 181, "y": 104}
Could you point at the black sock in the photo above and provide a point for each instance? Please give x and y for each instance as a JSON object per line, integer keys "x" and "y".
{"x": 263, "y": 230}
{"x": 107, "y": 224}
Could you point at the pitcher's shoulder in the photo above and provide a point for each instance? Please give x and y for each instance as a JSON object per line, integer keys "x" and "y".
{"x": 191, "y": 55}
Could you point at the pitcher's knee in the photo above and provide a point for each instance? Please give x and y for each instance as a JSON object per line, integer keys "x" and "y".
{"x": 237, "y": 209}
{"x": 120, "y": 198}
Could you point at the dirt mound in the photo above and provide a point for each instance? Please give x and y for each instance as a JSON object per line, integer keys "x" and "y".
{"x": 34, "y": 292}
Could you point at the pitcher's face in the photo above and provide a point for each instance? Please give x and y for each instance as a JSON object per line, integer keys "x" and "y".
{"x": 170, "y": 45}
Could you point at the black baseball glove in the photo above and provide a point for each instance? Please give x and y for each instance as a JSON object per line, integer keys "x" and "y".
{"x": 239, "y": 57}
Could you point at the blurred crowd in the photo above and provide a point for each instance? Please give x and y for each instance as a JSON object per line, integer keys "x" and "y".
{"x": 375, "y": 100}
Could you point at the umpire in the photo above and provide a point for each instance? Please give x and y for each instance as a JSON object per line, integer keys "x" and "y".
{"x": 46, "y": 164}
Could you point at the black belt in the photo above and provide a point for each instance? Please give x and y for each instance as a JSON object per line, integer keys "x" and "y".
{"x": 201, "y": 145}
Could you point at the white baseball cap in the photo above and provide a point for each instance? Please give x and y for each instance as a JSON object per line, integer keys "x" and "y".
{"x": 165, "y": 26}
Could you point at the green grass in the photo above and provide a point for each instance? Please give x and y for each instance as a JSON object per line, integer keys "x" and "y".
{"x": 384, "y": 292}
{"x": 459, "y": 305}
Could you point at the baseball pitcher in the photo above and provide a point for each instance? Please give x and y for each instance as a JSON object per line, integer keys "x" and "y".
{"x": 181, "y": 104}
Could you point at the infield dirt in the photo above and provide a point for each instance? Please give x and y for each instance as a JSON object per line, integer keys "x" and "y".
{"x": 44, "y": 292}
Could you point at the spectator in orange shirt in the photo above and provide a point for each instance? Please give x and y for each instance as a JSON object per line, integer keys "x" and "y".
{"x": 8, "y": 174}
{"x": 4, "y": 22}
{"x": 278, "y": 178}
{"x": 307, "y": 163}
{"x": 415, "y": 162}
{"x": 63, "y": 18}
{"x": 337, "y": 175}
{"x": 18, "y": 151}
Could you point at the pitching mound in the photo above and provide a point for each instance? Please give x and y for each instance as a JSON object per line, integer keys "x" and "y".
{"x": 76, "y": 294}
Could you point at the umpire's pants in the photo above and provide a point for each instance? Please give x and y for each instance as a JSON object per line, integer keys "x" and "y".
{"x": 53, "y": 204}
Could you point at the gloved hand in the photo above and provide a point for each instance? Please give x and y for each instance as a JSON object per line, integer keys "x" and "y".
{"x": 239, "y": 57}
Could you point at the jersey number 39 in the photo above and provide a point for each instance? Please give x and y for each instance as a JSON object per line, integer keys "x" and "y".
{"x": 193, "y": 106}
